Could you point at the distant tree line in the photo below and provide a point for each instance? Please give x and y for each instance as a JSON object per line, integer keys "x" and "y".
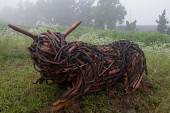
{"x": 97, "y": 13}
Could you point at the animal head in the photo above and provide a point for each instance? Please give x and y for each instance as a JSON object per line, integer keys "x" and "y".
{"x": 48, "y": 52}
{"x": 45, "y": 38}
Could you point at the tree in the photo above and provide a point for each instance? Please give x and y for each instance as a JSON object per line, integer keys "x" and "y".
{"x": 65, "y": 12}
{"x": 168, "y": 31}
{"x": 59, "y": 12}
{"x": 108, "y": 14}
{"x": 56, "y": 11}
{"x": 26, "y": 13}
{"x": 83, "y": 11}
{"x": 8, "y": 14}
{"x": 162, "y": 27}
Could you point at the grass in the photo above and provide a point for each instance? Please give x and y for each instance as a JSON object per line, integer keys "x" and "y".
{"x": 18, "y": 94}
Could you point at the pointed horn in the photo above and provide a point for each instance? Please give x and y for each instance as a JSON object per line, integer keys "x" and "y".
{"x": 71, "y": 28}
{"x": 33, "y": 36}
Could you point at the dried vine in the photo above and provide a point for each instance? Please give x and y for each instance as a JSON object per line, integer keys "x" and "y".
{"x": 84, "y": 67}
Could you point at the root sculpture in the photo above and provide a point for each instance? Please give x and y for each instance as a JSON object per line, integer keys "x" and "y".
{"x": 83, "y": 67}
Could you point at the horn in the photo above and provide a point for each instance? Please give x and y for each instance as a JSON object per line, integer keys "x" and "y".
{"x": 25, "y": 32}
{"x": 33, "y": 36}
{"x": 74, "y": 26}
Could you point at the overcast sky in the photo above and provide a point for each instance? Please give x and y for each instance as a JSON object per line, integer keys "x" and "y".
{"x": 144, "y": 11}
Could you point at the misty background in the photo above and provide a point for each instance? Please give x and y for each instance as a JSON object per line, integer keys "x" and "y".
{"x": 30, "y": 12}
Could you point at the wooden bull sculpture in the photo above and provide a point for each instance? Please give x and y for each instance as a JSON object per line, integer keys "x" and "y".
{"x": 82, "y": 67}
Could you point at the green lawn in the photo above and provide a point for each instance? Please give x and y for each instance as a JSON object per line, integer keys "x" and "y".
{"x": 18, "y": 94}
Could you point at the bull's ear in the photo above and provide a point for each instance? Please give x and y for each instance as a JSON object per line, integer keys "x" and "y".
{"x": 69, "y": 30}
{"x": 25, "y": 32}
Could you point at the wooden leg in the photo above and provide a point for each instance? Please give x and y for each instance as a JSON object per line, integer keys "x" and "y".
{"x": 61, "y": 103}
{"x": 69, "y": 96}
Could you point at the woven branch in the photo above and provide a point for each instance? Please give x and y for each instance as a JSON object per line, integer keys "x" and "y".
{"x": 87, "y": 68}
{"x": 82, "y": 67}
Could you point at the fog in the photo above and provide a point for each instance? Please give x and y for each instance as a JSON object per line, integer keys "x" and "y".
{"x": 11, "y": 3}
{"x": 144, "y": 11}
